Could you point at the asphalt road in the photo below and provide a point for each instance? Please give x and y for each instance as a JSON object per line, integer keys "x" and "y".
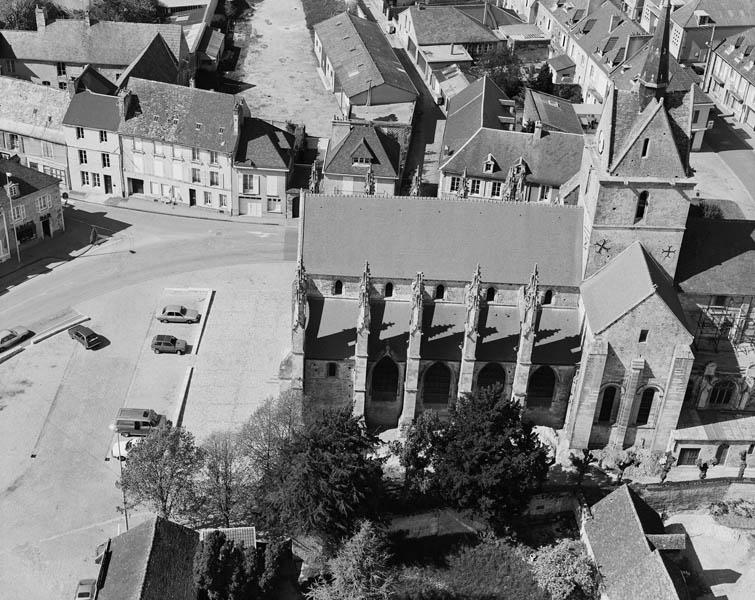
{"x": 735, "y": 147}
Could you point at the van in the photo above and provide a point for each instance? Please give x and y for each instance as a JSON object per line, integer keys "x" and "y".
{"x": 85, "y": 336}
{"x": 137, "y": 421}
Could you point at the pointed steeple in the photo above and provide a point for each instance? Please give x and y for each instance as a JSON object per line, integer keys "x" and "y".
{"x": 655, "y": 72}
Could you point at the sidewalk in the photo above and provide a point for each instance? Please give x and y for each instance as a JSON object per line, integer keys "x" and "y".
{"x": 178, "y": 210}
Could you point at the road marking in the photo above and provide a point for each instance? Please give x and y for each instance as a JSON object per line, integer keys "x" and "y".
{"x": 262, "y": 234}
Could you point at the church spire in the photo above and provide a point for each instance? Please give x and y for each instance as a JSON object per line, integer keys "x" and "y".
{"x": 655, "y": 72}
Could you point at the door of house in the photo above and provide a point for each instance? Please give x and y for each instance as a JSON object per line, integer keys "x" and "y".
{"x": 688, "y": 456}
{"x": 192, "y": 197}
{"x": 108, "y": 184}
{"x": 254, "y": 208}
{"x": 46, "y": 230}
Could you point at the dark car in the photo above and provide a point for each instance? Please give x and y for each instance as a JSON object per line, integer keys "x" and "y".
{"x": 11, "y": 337}
{"x": 169, "y": 344}
{"x": 85, "y": 336}
{"x": 175, "y": 313}
{"x": 86, "y": 589}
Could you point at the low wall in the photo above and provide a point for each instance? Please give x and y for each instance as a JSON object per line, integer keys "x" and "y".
{"x": 674, "y": 496}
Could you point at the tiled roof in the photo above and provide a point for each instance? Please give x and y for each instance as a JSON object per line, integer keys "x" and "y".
{"x": 155, "y": 62}
{"x": 552, "y": 157}
{"x": 31, "y": 109}
{"x": 447, "y": 24}
{"x": 556, "y": 114}
{"x": 561, "y": 62}
{"x": 631, "y": 569}
{"x": 28, "y": 180}
{"x": 384, "y": 150}
{"x": 181, "y": 115}
{"x": 723, "y": 13}
{"x": 152, "y": 561}
{"x": 360, "y": 55}
{"x": 494, "y": 16}
{"x": 263, "y": 145}
{"x": 569, "y": 13}
{"x": 94, "y": 111}
{"x": 402, "y": 235}
{"x": 212, "y": 41}
{"x": 717, "y": 257}
{"x": 739, "y": 51}
{"x": 626, "y": 281}
{"x": 103, "y": 43}
{"x": 477, "y": 105}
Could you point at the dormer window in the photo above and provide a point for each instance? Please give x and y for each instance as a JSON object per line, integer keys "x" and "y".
{"x": 221, "y": 130}
{"x": 14, "y": 191}
{"x": 489, "y": 164}
{"x": 155, "y": 118}
{"x": 198, "y": 126}
{"x": 362, "y": 160}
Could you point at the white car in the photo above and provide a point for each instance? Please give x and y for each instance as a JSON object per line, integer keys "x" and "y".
{"x": 11, "y": 337}
{"x": 123, "y": 446}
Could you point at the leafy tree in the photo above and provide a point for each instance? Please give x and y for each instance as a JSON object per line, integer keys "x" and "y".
{"x": 19, "y": 14}
{"x": 566, "y": 572}
{"x": 416, "y": 452}
{"x": 326, "y": 478}
{"x": 278, "y": 561}
{"x": 543, "y": 81}
{"x": 489, "y": 461}
{"x": 569, "y": 91}
{"x": 505, "y": 69}
{"x": 225, "y": 483}
{"x": 581, "y": 463}
{"x": 273, "y": 424}
{"x": 161, "y": 472}
{"x": 133, "y": 11}
{"x": 614, "y": 457}
{"x": 359, "y": 569}
{"x": 224, "y": 570}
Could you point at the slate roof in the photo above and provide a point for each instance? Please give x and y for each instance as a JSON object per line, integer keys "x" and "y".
{"x": 152, "y": 561}
{"x": 400, "y": 236}
{"x": 631, "y": 569}
{"x": 155, "y": 62}
{"x": 626, "y": 281}
{"x": 28, "y": 180}
{"x": 359, "y": 52}
{"x": 496, "y": 16}
{"x": 552, "y": 157}
{"x": 94, "y": 111}
{"x": 446, "y": 24}
{"x": 561, "y": 62}
{"x": 263, "y": 145}
{"x": 556, "y": 114}
{"x": 477, "y": 105}
{"x": 739, "y": 51}
{"x": 171, "y": 113}
{"x": 569, "y": 13}
{"x": 103, "y": 43}
{"x": 723, "y": 13}
{"x": 30, "y": 109}
{"x": 717, "y": 257}
{"x": 384, "y": 150}
{"x": 715, "y": 426}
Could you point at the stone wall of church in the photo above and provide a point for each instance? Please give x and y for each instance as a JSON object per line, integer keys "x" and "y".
{"x": 326, "y": 391}
{"x": 442, "y": 409}
{"x": 554, "y": 415}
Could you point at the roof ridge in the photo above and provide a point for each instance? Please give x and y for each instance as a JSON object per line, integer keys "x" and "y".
{"x": 633, "y": 135}
{"x": 143, "y": 582}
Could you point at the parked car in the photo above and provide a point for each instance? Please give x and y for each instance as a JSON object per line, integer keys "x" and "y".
{"x": 11, "y": 337}
{"x": 122, "y": 447}
{"x": 137, "y": 421}
{"x": 175, "y": 313}
{"x": 168, "y": 343}
{"x": 85, "y": 336}
{"x": 86, "y": 589}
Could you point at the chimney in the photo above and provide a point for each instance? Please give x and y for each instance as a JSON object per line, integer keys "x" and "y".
{"x": 39, "y": 14}
{"x": 71, "y": 87}
{"x": 538, "y": 131}
{"x": 452, "y": 48}
{"x": 124, "y": 103}
{"x": 192, "y": 82}
{"x": 236, "y": 118}
{"x": 87, "y": 19}
{"x": 369, "y": 92}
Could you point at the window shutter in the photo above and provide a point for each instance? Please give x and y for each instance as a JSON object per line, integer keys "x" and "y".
{"x": 255, "y": 184}
{"x": 272, "y": 185}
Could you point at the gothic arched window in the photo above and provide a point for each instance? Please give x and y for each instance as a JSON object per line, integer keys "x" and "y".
{"x": 490, "y": 295}
{"x": 548, "y": 298}
{"x": 606, "y": 404}
{"x": 722, "y": 393}
{"x": 338, "y": 288}
{"x": 437, "y": 384}
{"x": 541, "y": 387}
{"x": 440, "y": 292}
{"x": 490, "y": 375}
{"x": 385, "y": 380}
{"x": 388, "y": 290}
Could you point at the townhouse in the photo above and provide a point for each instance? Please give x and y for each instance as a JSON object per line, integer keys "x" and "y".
{"x": 730, "y": 75}
{"x": 31, "y": 127}
{"x": 30, "y": 208}
{"x": 179, "y": 143}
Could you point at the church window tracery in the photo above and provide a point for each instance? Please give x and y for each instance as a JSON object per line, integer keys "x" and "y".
{"x": 338, "y": 288}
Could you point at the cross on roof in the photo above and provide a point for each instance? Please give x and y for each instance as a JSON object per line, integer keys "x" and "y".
{"x": 602, "y": 246}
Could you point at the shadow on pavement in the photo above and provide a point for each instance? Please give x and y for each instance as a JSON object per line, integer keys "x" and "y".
{"x": 723, "y": 136}
{"x": 44, "y": 255}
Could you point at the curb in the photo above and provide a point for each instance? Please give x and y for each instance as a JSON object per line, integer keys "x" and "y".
{"x": 11, "y": 353}
{"x": 178, "y": 412}
{"x": 172, "y": 214}
{"x": 205, "y": 314}
{"x": 58, "y": 329}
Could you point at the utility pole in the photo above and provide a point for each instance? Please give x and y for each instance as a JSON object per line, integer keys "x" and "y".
{"x": 123, "y": 492}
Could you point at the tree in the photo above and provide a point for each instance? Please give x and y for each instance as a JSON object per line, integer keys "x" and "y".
{"x": 133, "y": 11}
{"x": 505, "y": 69}
{"x": 19, "y": 14}
{"x": 666, "y": 463}
{"x": 359, "y": 570}
{"x": 161, "y": 472}
{"x": 543, "y": 82}
{"x": 566, "y": 572}
{"x": 326, "y": 478}
{"x": 278, "y": 561}
{"x": 581, "y": 463}
{"x": 226, "y": 485}
{"x": 415, "y": 453}
{"x": 273, "y": 424}
{"x": 489, "y": 461}
{"x": 224, "y": 570}
{"x": 614, "y": 457}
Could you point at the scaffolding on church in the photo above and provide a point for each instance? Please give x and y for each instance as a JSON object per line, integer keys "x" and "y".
{"x": 722, "y": 319}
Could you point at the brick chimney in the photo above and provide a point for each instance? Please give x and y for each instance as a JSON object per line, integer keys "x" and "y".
{"x": 124, "y": 103}
{"x": 39, "y": 14}
{"x": 237, "y": 109}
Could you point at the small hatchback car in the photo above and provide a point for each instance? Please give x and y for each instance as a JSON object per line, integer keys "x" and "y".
{"x": 85, "y": 336}
{"x": 175, "y": 313}
{"x": 86, "y": 589}
{"x": 169, "y": 344}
